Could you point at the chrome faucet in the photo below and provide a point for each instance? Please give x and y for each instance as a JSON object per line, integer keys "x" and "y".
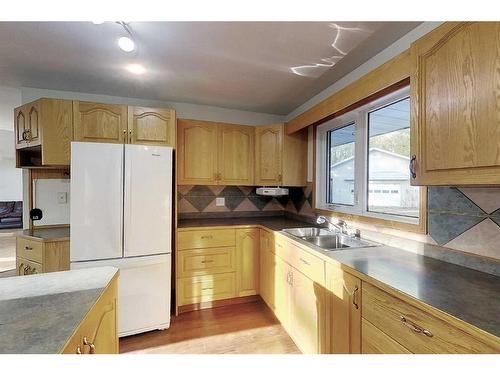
{"x": 341, "y": 225}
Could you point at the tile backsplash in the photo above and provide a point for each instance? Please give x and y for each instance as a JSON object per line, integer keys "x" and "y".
{"x": 465, "y": 219}
{"x": 241, "y": 200}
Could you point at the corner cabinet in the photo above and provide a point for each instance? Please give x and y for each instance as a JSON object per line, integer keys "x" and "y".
{"x": 247, "y": 262}
{"x": 455, "y": 86}
{"x": 280, "y": 159}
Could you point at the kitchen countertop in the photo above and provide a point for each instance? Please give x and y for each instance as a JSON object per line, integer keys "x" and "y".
{"x": 47, "y": 234}
{"x": 275, "y": 223}
{"x": 469, "y": 295}
{"x": 39, "y": 313}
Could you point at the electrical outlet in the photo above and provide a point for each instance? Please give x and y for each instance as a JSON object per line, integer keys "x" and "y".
{"x": 62, "y": 197}
{"x": 220, "y": 202}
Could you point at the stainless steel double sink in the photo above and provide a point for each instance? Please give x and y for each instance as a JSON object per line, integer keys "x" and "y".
{"x": 328, "y": 240}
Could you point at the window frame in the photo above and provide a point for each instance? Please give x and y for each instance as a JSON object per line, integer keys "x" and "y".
{"x": 360, "y": 208}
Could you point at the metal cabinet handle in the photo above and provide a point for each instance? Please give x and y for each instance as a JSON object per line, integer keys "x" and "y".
{"x": 414, "y": 327}
{"x": 279, "y": 177}
{"x": 78, "y": 350}
{"x": 27, "y": 270}
{"x": 206, "y": 288}
{"x": 305, "y": 261}
{"x": 355, "y": 297}
{"x": 91, "y": 345}
{"x": 207, "y": 261}
{"x": 28, "y": 135}
{"x": 28, "y": 248}
{"x": 413, "y": 173}
{"x": 206, "y": 237}
{"x": 23, "y": 136}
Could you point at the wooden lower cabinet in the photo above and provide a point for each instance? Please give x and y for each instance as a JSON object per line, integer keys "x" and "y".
{"x": 247, "y": 262}
{"x": 374, "y": 341}
{"x": 308, "y": 314}
{"x": 344, "y": 294}
{"x": 38, "y": 256}
{"x": 98, "y": 332}
{"x": 267, "y": 268}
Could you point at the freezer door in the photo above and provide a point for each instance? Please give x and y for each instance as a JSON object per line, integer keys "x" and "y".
{"x": 143, "y": 292}
{"x": 147, "y": 200}
{"x": 96, "y": 210}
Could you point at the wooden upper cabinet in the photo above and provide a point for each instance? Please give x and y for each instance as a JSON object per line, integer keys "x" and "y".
{"x": 151, "y": 126}
{"x": 20, "y": 126}
{"x": 455, "y": 90}
{"x": 269, "y": 154}
{"x": 345, "y": 311}
{"x": 247, "y": 262}
{"x": 280, "y": 159}
{"x": 196, "y": 153}
{"x": 98, "y": 122}
{"x": 43, "y": 133}
{"x": 235, "y": 154}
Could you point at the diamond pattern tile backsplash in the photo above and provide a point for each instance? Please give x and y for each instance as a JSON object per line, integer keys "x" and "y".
{"x": 465, "y": 219}
{"x": 241, "y": 199}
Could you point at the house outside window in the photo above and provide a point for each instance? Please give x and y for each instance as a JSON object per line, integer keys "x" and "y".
{"x": 362, "y": 161}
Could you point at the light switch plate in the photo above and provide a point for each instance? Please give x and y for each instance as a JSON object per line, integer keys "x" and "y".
{"x": 62, "y": 197}
{"x": 220, "y": 202}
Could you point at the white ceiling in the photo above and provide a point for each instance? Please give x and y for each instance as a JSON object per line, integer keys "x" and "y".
{"x": 269, "y": 67}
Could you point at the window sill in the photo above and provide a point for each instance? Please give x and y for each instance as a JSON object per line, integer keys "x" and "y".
{"x": 389, "y": 221}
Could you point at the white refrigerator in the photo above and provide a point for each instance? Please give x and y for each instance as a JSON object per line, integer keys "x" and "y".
{"x": 121, "y": 215}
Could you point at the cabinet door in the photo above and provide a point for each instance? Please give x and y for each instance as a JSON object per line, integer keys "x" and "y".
{"x": 282, "y": 292}
{"x": 151, "y": 126}
{"x": 345, "y": 311}
{"x": 33, "y": 131}
{"x": 196, "y": 152}
{"x": 267, "y": 269}
{"x": 268, "y": 154}
{"x": 21, "y": 125}
{"x": 235, "y": 154}
{"x": 98, "y": 122}
{"x": 98, "y": 331}
{"x": 247, "y": 262}
{"x": 308, "y": 308}
{"x": 455, "y": 85}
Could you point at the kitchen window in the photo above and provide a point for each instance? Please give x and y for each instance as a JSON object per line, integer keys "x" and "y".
{"x": 362, "y": 162}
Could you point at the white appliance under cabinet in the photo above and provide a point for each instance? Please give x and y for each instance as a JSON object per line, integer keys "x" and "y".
{"x": 121, "y": 215}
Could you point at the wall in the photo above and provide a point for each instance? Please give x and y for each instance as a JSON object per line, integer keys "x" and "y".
{"x": 45, "y": 197}
{"x": 184, "y": 110}
{"x": 199, "y": 201}
{"x": 10, "y": 177}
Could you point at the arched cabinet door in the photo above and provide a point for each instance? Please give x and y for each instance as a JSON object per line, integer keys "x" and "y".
{"x": 455, "y": 90}
{"x": 21, "y": 125}
{"x": 247, "y": 262}
{"x": 196, "y": 153}
{"x": 268, "y": 155}
{"x": 98, "y": 122}
{"x": 151, "y": 126}
{"x": 236, "y": 154}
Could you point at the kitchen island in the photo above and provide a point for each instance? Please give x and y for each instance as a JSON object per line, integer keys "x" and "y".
{"x": 59, "y": 312}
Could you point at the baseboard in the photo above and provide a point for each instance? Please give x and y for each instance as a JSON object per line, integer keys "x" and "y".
{"x": 219, "y": 303}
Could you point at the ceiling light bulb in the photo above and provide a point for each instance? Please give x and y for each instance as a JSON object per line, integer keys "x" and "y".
{"x": 126, "y": 44}
{"x": 136, "y": 68}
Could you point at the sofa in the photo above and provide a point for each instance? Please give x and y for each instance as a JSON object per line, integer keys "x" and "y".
{"x": 11, "y": 214}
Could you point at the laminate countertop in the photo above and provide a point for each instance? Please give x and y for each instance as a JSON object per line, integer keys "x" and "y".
{"x": 47, "y": 234}
{"x": 466, "y": 294}
{"x": 39, "y": 313}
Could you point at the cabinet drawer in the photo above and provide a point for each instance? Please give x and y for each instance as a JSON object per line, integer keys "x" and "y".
{"x": 206, "y": 238}
{"x": 206, "y": 261}
{"x": 374, "y": 341}
{"x": 29, "y": 249}
{"x": 27, "y": 267}
{"x": 310, "y": 265}
{"x": 404, "y": 323}
{"x": 206, "y": 288}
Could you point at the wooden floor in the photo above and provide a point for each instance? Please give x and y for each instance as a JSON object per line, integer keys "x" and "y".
{"x": 248, "y": 328}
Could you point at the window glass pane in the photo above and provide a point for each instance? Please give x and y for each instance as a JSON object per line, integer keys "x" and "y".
{"x": 389, "y": 189}
{"x": 341, "y": 165}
